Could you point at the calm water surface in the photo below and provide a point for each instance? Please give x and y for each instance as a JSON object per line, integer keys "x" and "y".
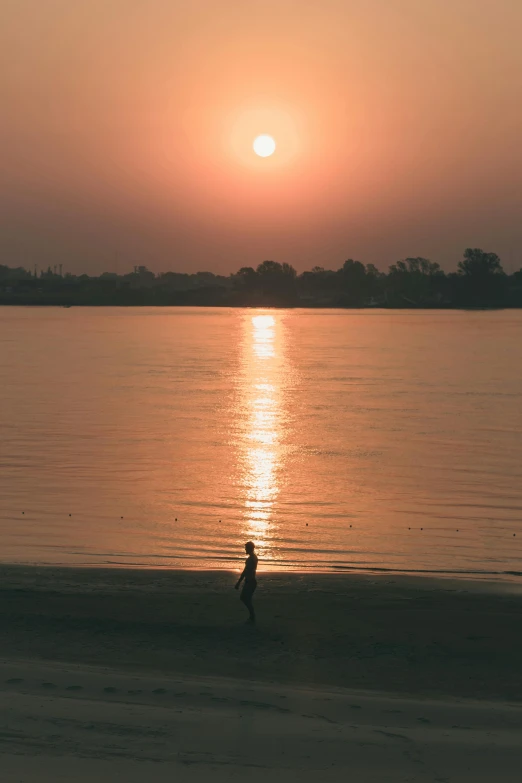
{"x": 351, "y": 439}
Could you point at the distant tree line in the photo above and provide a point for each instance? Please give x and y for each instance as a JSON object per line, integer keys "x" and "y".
{"x": 479, "y": 282}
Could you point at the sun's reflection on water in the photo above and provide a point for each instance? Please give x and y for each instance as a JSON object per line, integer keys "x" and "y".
{"x": 262, "y": 398}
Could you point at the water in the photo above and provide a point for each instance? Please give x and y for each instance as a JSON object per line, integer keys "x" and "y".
{"x": 333, "y": 439}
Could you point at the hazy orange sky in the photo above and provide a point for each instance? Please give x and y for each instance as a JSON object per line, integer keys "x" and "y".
{"x": 126, "y": 129}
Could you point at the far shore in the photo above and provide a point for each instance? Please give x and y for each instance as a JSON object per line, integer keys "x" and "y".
{"x": 260, "y": 306}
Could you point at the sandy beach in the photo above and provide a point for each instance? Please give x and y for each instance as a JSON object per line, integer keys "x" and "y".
{"x": 118, "y": 674}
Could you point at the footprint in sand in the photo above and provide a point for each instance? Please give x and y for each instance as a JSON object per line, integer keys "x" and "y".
{"x": 74, "y": 688}
{"x": 14, "y": 681}
{"x": 392, "y": 734}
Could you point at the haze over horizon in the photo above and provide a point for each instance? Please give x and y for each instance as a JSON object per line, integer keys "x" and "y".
{"x": 127, "y": 130}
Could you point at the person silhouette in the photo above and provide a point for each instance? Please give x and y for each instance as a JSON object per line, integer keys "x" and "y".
{"x": 249, "y": 575}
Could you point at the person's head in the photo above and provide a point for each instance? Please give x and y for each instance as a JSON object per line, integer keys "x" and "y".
{"x": 249, "y": 547}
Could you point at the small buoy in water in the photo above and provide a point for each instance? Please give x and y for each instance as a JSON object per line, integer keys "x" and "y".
{"x": 457, "y": 530}
{"x": 176, "y": 519}
{"x": 514, "y": 534}
{"x": 121, "y": 517}
{"x": 23, "y": 512}
{"x": 70, "y": 515}
{"x": 307, "y": 524}
{"x": 422, "y": 528}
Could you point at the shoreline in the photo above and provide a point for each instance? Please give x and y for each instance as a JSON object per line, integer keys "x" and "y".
{"x": 508, "y": 577}
{"x": 479, "y": 581}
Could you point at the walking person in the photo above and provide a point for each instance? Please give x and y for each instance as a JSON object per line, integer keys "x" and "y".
{"x": 249, "y": 575}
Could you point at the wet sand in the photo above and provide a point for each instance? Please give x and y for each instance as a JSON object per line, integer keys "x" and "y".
{"x": 105, "y": 672}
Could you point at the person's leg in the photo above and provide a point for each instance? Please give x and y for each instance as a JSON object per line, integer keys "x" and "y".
{"x": 246, "y": 598}
{"x": 250, "y": 605}
{"x": 250, "y": 608}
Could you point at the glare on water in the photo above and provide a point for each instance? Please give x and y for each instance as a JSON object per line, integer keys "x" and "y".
{"x": 263, "y": 399}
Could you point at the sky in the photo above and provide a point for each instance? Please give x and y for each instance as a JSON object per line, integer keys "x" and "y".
{"x": 126, "y": 130}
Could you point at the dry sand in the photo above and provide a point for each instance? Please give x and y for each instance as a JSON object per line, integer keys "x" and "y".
{"x": 112, "y": 675}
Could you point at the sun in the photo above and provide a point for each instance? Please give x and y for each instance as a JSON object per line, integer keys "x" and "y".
{"x": 264, "y": 146}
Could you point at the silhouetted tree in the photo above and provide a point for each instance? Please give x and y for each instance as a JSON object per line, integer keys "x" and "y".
{"x": 477, "y": 263}
{"x": 246, "y": 278}
{"x": 483, "y": 281}
{"x": 414, "y": 281}
{"x": 276, "y": 279}
{"x": 141, "y": 277}
{"x": 374, "y": 283}
{"x": 16, "y": 273}
{"x": 319, "y": 284}
{"x": 515, "y": 289}
{"x": 352, "y": 283}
